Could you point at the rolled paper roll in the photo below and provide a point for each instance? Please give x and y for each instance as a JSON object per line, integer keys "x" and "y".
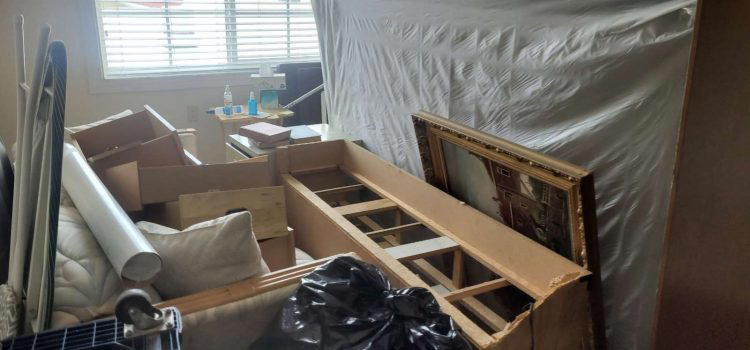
{"x": 128, "y": 251}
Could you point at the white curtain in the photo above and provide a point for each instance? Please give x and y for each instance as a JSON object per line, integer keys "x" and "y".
{"x": 598, "y": 83}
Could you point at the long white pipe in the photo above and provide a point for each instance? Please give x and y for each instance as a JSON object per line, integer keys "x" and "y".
{"x": 130, "y": 253}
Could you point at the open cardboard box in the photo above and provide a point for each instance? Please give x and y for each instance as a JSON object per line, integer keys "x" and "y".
{"x": 144, "y": 136}
{"x": 141, "y": 161}
{"x": 142, "y": 139}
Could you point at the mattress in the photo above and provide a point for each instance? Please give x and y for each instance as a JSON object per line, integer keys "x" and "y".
{"x": 86, "y": 284}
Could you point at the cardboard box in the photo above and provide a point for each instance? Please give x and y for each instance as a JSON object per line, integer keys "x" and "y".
{"x": 138, "y": 127}
{"x": 164, "y": 184}
{"x": 134, "y": 186}
{"x": 162, "y": 151}
{"x": 118, "y": 148}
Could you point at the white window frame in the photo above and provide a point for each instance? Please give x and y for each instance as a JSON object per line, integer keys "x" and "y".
{"x": 99, "y": 83}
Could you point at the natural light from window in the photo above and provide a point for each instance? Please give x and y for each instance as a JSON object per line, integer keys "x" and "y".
{"x": 146, "y": 38}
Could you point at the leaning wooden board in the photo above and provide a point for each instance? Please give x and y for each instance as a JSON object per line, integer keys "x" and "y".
{"x": 266, "y": 204}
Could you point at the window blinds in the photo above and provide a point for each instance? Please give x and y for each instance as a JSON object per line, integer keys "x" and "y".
{"x": 142, "y": 38}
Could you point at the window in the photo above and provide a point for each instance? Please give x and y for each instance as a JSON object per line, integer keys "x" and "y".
{"x": 146, "y": 38}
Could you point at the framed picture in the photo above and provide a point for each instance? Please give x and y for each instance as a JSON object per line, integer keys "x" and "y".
{"x": 547, "y": 200}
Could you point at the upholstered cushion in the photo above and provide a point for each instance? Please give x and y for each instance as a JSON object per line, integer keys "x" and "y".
{"x": 86, "y": 284}
{"x": 302, "y": 257}
{"x": 206, "y": 255}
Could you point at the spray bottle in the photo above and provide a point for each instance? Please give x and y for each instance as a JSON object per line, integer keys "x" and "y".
{"x": 252, "y": 104}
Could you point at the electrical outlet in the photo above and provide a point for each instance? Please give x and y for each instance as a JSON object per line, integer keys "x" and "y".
{"x": 192, "y": 113}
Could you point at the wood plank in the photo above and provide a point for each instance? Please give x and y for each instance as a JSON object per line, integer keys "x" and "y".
{"x": 244, "y": 289}
{"x": 458, "y": 268}
{"x": 477, "y": 289}
{"x": 558, "y": 321}
{"x": 528, "y": 265}
{"x": 475, "y": 306}
{"x": 423, "y": 249}
{"x": 342, "y": 189}
{"x": 266, "y": 204}
{"x": 365, "y": 208}
{"x": 393, "y": 230}
{"x": 317, "y": 170}
{"x": 398, "y": 221}
{"x": 401, "y": 276}
{"x": 300, "y": 158}
{"x": 324, "y": 180}
{"x": 312, "y": 226}
{"x": 440, "y": 289}
{"x": 278, "y": 252}
{"x": 445, "y": 284}
{"x": 164, "y": 184}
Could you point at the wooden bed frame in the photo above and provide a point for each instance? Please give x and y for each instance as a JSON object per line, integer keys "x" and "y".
{"x": 319, "y": 180}
{"x": 558, "y": 318}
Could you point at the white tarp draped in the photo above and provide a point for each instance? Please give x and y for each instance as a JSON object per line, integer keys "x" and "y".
{"x": 598, "y": 83}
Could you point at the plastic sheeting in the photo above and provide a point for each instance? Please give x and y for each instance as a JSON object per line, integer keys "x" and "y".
{"x": 598, "y": 83}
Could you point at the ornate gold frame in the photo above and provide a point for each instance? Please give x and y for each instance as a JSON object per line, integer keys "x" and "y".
{"x": 575, "y": 181}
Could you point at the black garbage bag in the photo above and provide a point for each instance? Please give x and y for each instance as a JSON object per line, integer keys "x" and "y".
{"x": 348, "y": 304}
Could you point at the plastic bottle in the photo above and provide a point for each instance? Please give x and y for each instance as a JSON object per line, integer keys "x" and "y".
{"x": 252, "y": 104}
{"x": 227, "y": 100}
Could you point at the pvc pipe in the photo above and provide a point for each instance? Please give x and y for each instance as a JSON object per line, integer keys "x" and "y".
{"x": 130, "y": 253}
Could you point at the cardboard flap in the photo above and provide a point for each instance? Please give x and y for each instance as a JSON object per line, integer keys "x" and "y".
{"x": 122, "y": 183}
{"x": 162, "y": 151}
{"x": 110, "y": 135}
{"x": 138, "y": 127}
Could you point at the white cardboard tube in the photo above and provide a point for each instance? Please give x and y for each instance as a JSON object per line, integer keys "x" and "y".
{"x": 130, "y": 253}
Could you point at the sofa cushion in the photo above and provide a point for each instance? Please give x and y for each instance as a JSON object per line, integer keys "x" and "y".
{"x": 206, "y": 255}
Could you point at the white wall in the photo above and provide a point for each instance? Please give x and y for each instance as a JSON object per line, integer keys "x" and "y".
{"x": 71, "y": 24}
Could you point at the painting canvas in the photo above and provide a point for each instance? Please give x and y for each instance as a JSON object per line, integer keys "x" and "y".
{"x": 525, "y": 203}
